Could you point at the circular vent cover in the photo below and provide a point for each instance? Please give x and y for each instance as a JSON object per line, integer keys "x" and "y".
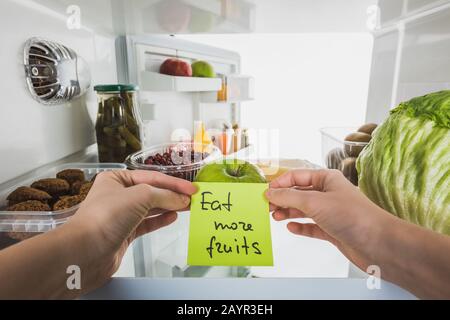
{"x": 55, "y": 74}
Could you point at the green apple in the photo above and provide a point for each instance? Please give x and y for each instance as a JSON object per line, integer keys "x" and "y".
{"x": 231, "y": 170}
{"x": 203, "y": 69}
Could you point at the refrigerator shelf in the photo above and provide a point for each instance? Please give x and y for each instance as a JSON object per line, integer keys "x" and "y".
{"x": 237, "y": 88}
{"x": 209, "y": 99}
{"x": 154, "y": 81}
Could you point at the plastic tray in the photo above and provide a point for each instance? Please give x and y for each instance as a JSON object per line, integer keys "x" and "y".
{"x": 340, "y": 154}
{"x": 154, "y": 81}
{"x": 16, "y": 226}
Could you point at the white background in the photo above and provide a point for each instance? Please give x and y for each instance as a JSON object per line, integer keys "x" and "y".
{"x": 302, "y": 82}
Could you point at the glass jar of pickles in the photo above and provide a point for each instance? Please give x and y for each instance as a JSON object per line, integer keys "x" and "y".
{"x": 119, "y": 125}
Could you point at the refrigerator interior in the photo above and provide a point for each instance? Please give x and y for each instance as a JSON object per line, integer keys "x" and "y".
{"x": 410, "y": 54}
{"x": 169, "y": 109}
{"x": 406, "y": 43}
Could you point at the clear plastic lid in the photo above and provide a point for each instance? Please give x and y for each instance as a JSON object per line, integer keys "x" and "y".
{"x": 41, "y": 221}
{"x": 338, "y": 134}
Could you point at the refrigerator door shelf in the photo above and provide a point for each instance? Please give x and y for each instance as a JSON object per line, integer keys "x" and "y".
{"x": 238, "y": 88}
{"x": 153, "y": 81}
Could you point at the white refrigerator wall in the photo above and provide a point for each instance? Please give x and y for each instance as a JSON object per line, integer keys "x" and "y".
{"x": 34, "y": 134}
{"x": 303, "y": 82}
{"x": 411, "y": 53}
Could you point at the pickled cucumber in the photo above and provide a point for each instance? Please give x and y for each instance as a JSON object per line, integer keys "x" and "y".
{"x": 134, "y": 142}
{"x": 118, "y": 127}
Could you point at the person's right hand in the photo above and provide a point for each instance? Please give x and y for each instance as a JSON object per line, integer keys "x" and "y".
{"x": 342, "y": 214}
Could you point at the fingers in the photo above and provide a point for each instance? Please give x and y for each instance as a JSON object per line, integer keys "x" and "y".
{"x": 304, "y": 201}
{"x": 130, "y": 178}
{"x": 287, "y": 213}
{"x": 310, "y": 230}
{"x": 272, "y": 207}
{"x": 149, "y": 197}
{"x": 158, "y": 211}
{"x": 160, "y": 180}
{"x": 312, "y": 179}
{"x": 300, "y": 178}
{"x": 155, "y": 223}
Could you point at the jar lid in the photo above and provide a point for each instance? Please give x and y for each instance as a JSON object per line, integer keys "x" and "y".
{"x": 115, "y": 87}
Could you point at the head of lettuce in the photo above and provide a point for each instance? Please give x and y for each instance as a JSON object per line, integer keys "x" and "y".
{"x": 405, "y": 169}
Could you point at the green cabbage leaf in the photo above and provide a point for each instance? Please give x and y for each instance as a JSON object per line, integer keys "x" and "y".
{"x": 405, "y": 168}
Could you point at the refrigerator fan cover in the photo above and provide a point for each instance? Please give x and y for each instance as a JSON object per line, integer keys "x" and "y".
{"x": 54, "y": 73}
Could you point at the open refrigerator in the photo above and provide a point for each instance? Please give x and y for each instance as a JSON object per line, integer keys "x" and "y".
{"x": 126, "y": 42}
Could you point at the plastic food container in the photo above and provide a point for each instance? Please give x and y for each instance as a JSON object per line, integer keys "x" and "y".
{"x": 340, "y": 154}
{"x": 180, "y": 154}
{"x": 16, "y": 226}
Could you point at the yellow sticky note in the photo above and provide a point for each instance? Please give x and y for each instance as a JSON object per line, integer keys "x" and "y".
{"x": 230, "y": 225}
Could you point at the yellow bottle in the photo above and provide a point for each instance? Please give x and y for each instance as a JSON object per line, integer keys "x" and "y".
{"x": 201, "y": 137}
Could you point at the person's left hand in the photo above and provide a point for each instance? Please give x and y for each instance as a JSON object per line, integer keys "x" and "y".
{"x": 121, "y": 206}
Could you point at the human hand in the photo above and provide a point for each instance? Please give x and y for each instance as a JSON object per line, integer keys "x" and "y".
{"x": 121, "y": 206}
{"x": 342, "y": 214}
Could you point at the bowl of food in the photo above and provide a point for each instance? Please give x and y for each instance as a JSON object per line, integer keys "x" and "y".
{"x": 182, "y": 159}
{"x": 341, "y": 147}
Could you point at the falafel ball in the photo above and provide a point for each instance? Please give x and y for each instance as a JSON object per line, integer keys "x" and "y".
{"x": 76, "y": 186}
{"x": 54, "y": 186}
{"x": 22, "y": 194}
{"x": 67, "y": 202}
{"x": 20, "y": 236}
{"x": 85, "y": 188}
{"x": 30, "y": 205}
{"x": 71, "y": 175}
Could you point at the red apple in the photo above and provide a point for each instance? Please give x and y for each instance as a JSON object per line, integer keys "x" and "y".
{"x": 176, "y": 67}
